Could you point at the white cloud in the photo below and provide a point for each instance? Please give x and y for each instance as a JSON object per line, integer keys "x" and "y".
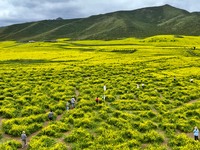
{"x": 15, "y": 11}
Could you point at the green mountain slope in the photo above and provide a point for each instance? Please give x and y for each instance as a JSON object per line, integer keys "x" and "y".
{"x": 137, "y": 23}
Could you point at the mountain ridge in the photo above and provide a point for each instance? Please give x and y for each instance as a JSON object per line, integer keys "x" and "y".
{"x": 139, "y": 23}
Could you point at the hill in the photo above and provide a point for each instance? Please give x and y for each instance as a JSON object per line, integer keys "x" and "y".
{"x": 138, "y": 23}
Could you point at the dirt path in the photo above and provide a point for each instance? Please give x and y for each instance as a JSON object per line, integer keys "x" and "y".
{"x": 46, "y": 123}
{"x": 193, "y": 101}
{"x": 7, "y": 136}
{"x": 59, "y": 117}
{"x": 0, "y": 121}
{"x": 166, "y": 140}
{"x": 190, "y": 102}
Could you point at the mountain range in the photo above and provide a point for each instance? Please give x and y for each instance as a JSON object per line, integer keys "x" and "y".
{"x": 137, "y": 23}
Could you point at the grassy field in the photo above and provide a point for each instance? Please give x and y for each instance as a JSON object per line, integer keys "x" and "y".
{"x": 42, "y": 76}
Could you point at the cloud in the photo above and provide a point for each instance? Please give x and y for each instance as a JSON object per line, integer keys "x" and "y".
{"x": 16, "y": 11}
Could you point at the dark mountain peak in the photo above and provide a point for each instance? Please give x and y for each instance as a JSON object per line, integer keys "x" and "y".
{"x": 167, "y": 5}
{"x": 59, "y": 18}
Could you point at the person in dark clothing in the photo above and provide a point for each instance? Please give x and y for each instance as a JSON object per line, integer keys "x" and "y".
{"x": 50, "y": 115}
{"x": 97, "y": 100}
{"x": 23, "y": 137}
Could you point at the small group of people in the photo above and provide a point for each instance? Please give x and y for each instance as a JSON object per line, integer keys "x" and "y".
{"x": 138, "y": 85}
{"x": 72, "y": 102}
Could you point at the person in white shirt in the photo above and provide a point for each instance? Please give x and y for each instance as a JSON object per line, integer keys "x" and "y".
{"x": 73, "y": 102}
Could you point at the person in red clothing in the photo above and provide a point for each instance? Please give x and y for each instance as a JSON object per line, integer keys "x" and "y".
{"x": 97, "y": 100}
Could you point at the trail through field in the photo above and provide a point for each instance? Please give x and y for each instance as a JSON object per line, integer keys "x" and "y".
{"x": 190, "y": 102}
{"x": 160, "y": 131}
{"x": 190, "y": 135}
{"x": 165, "y": 142}
{"x": 46, "y": 123}
{"x": 7, "y": 136}
{"x": 77, "y": 93}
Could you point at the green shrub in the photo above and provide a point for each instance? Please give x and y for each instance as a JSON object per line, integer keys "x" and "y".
{"x": 117, "y": 122}
{"x": 133, "y": 143}
{"x": 131, "y": 134}
{"x": 78, "y": 135}
{"x": 10, "y": 145}
{"x": 8, "y": 112}
{"x": 78, "y": 114}
{"x": 168, "y": 127}
{"x": 192, "y": 145}
{"x": 127, "y": 96}
{"x": 184, "y": 126}
{"x": 155, "y": 147}
{"x": 84, "y": 122}
{"x": 179, "y": 140}
{"x": 16, "y": 130}
{"x": 59, "y": 146}
{"x": 86, "y": 108}
{"x": 146, "y": 126}
{"x": 29, "y": 124}
{"x": 109, "y": 98}
{"x": 30, "y": 110}
{"x": 153, "y": 136}
{"x": 42, "y": 142}
{"x": 84, "y": 102}
{"x": 55, "y": 129}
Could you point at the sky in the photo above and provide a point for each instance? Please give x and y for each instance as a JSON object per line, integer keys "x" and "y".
{"x": 21, "y": 11}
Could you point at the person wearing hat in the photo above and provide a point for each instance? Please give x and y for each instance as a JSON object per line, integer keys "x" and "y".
{"x": 23, "y": 137}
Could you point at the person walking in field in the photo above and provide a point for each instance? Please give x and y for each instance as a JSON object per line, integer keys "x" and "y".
{"x": 196, "y": 133}
{"x": 73, "y": 102}
{"x": 97, "y": 100}
{"x": 23, "y": 137}
{"x": 50, "y": 115}
{"x": 67, "y": 105}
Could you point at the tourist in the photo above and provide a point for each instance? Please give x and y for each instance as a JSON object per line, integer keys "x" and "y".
{"x": 23, "y": 137}
{"x": 73, "y": 102}
{"x": 97, "y": 100}
{"x": 67, "y": 105}
{"x": 50, "y": 115}
{"x": 196, "y": 133}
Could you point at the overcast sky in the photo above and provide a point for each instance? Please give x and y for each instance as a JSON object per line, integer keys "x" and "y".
{"x": 20, "y": 11}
